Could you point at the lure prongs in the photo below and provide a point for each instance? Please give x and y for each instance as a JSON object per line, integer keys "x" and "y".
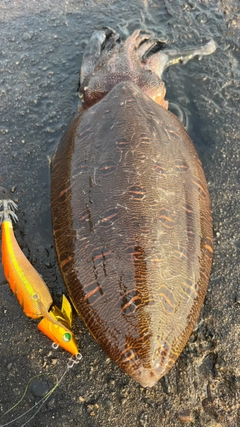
{"x": 7, "y": 212}
{"x": 29, "y": 287}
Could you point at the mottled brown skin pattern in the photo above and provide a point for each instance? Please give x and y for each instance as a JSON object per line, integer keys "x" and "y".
{"x": 133, "y": 229}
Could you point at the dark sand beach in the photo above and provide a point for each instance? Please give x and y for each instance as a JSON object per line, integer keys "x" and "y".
{"x": 41, "y": 46}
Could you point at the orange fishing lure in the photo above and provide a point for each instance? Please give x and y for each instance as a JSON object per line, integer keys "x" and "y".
{"x": 30, "y": 289}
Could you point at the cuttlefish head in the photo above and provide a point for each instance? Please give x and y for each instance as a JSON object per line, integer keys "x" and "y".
{"x": 107, "y": 62}
{"x": 141, "y": 59}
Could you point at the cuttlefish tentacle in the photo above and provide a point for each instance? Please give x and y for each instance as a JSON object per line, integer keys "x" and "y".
{"x": 159, "y": 61}
{"x": 94, "y": 49}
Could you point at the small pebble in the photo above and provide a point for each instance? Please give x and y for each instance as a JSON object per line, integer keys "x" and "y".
{"x": 108, "y": 405}
{"x": 39, "y": 388}
{"x": 51, "y": 403}
{"x": 112, "y": 384}
{"x": 143, "y": 421}
{"x": 185, "y": 416}
{"x": 27, "y": 36}
{"x": 202, "y": 18}
{"x": 13, "y": 189}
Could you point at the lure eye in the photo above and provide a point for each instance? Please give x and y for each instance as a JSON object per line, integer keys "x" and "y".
{"x": 67, "y": 337}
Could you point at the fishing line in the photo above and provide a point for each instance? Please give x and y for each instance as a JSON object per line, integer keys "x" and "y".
{"x": 70, "y": 364}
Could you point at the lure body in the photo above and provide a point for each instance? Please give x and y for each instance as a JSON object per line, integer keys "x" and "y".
{"x": 23, "y": 279}
{"x": 130, "y": 208}
{"x": 31, "y": 290}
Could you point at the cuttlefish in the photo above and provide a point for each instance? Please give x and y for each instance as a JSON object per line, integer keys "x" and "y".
{"x": 130, "y": 207}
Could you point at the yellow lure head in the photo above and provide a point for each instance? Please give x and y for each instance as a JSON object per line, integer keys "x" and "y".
{"x": 57, "y": 323}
